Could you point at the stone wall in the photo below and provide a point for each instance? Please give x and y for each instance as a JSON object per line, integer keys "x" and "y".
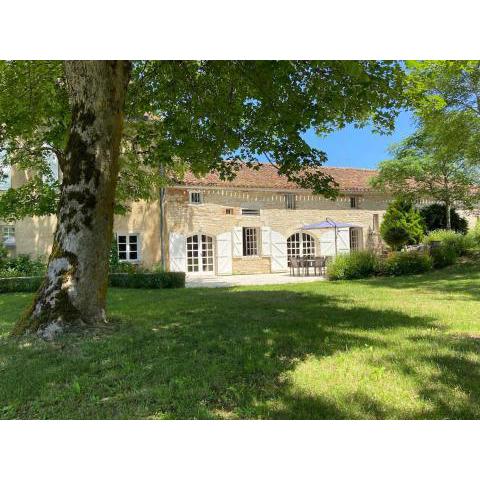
{"x": 249, "y": 265}
{"x": 211, "y": 218}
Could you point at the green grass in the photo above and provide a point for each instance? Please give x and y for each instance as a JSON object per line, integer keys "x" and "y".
{"x": 406, "y": 347}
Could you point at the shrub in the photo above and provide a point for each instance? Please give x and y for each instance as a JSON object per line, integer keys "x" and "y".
{"x": 20, "y": 284}
{"x": 458, "y": 242}
{"x": 434, "y": 218}
{"x": 405, "y": 263}
{"x": 352, "y": 265}
{"x": 147, "y": 280}
{"x": 474, "y": 235}
{"x": 22, "y": 266}
{"x": 402, "y": 225}
{"x": 443, "y": 255}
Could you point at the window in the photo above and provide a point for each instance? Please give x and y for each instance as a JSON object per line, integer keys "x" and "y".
{"x": 199, "y": 254}
{"x": 300, "y": 245}
{"x": 250, "y": 241}
{"x": 375, "y": 222}
{"x": 8, "y": 232}
{"x": 5, "y": 176}
{"x": 250, "y": 211}
{"x": 355, "y": 239}
{"x": 229, "y": 211}
{"x": 290, "y": 201}
{"x": 195, "y": 198}
{"x": 354, "y": 202}
{"x": 128, "y": 247}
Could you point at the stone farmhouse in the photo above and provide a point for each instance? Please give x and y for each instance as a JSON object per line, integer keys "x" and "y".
{"x": 253, "y": 224}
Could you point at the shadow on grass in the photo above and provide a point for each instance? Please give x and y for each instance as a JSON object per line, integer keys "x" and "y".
{"x": 213, "y": 354}
{"x": 462, "y": 280}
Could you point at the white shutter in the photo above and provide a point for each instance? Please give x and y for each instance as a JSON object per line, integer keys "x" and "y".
{"x": 279, "y": 252}
{"x": 177, "y": 252}
{"x": 343, "y": 240}
{"x": 237, "y": 241}
{"x": 327, "y": 242}
{"x": 266, "y": 242}
{"x": 224, "y": 253}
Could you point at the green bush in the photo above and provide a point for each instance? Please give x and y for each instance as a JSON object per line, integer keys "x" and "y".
{"x": 20, "y": 284}
{"x": 402, "y": 225}
{"x": 448, "y": 238}
{"x": 443, "y": 255}
{"x": 405, "y": 263}
{"x": 474, "y": 235}
{"x": 434, "y": 217}
{"x": 352, "y": 265}
{"x": 21, "y": 266}
{"x": 147, "y": 280}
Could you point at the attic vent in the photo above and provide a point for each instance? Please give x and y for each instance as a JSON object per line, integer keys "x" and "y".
{"x": 250, "y": 211}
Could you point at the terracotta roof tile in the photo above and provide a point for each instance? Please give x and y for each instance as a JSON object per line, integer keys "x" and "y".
{"x": 349, "y": 179}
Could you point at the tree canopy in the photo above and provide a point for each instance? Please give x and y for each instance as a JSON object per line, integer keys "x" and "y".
{"x": 423, "y": 168}
{"x": 197, "y": 115}
{"x": 445, "y": 95}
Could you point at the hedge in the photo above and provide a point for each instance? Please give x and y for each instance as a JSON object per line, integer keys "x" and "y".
{"x": 123, "y": 280}
{"x": 366, "y": 264}
{"x": 20, "y": 284}
{"x": 147, "y": 280}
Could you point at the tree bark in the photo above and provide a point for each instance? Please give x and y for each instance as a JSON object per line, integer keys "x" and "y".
{"x": 448, "y": 210}
{"x": 74, "y": 290}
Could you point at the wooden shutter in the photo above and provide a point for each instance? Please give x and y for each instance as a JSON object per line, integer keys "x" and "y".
{"x": 266, "y": 241}
{"x": 224, "y": 253}
{"x": 278, "y": 252}
{"x": 177, "y": 252}
{"x": 343, "y": 240}
{"x": 327, "y": 242}
{"x": 237, "y": 241}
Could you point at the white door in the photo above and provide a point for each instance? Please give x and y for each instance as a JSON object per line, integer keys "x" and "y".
{"x": 177, "y": 253}
{"x": 199, "y": 254}
{"x": 343, "y": 240}
{"x": 327, "y": 242}
{"x": 224, "y": 253}
{"x": 279, "y": 252}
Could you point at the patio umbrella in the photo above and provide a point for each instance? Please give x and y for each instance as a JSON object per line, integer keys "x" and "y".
{"x": 329, "y": 223}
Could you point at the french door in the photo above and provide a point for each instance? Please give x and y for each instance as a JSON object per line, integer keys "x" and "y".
{"x": 199, "y": 254}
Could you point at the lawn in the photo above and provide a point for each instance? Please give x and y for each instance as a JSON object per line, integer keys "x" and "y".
{"x": 405, "y": 348}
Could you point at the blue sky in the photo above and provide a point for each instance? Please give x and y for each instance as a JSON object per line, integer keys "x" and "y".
{"x": 360, "y": 148}
{"x": 351, "y": 147}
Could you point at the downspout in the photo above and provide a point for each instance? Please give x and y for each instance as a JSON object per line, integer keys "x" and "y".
{"x": 162, "y": 222}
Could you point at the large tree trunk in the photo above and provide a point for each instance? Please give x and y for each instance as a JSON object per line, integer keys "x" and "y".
{"x": 74, "y": 290}
{"x": 448, "y": 213}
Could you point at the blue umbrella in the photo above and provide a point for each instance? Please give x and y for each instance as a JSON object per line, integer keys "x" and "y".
{"x": 329, "y": 223}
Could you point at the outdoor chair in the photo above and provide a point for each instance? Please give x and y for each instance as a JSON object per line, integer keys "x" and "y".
{"x": 294, "y": 264}
{"x": 319, "y": 265}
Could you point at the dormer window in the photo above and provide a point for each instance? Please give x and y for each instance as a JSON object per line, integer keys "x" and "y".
{"x": 195, "y": 198}
{"x": 290, "y": 201}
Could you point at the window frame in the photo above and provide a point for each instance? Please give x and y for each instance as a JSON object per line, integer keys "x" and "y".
{"x": 354, "y": 201}
{"x": 246, "y": 247}
{"x": 128, "y": 247}
{"x": 9, "y": 235}
{"x": 290, "y": 201}
{"x": 250, "y": 210}
{"x": 190, "y": 195}
{"x": 355, "y": 241}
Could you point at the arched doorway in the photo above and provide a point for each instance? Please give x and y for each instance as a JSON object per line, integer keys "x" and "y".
{"x": 300, "y": 245}
{"x": 199, "y": 254}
